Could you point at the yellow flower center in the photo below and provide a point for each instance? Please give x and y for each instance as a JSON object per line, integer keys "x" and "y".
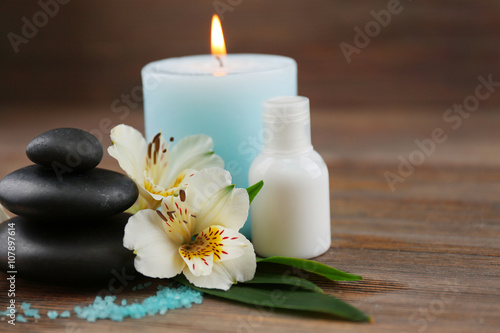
{"x": 206, "y": 244}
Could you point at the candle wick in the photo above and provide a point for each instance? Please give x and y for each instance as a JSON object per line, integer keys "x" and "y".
{"x": 220, "y": 61}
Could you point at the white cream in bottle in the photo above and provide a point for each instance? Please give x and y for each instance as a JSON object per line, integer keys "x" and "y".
{"x": 291, "y": 214}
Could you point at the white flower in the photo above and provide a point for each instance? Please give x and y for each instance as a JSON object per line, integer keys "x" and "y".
{"x": 156, "y": 168}
{"x": 3, "y": 215}
{"x": 210, "y": 208}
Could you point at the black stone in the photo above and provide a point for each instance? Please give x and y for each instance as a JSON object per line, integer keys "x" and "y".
{"x": 69, "y": 149}
{"x": 57, "y": 252}
{"x": 40, "y": 193}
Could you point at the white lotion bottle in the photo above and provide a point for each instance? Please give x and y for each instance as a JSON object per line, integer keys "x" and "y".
{"x": 291, "y": 214}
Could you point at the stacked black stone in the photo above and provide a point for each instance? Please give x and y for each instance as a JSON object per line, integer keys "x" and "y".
{"x": 71, "y": 221}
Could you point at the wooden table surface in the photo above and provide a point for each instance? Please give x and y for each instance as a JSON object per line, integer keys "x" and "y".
{"x": 429, "y": 251}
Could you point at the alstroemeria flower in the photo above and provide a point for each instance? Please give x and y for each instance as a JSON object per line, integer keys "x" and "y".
{"x": 158, "y": 169}
{"x": 211, "y": 210}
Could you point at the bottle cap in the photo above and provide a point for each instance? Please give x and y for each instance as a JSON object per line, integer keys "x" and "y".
{"x": 286, "y": 125}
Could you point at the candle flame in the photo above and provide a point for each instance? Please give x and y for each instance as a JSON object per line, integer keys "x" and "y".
{"x": 218, "y": 45}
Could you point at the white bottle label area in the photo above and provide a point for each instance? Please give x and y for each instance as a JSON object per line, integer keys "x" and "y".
{"x": 291, "y": 214}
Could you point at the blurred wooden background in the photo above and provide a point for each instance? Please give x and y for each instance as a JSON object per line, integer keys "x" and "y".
{"x": 92, "y": 51}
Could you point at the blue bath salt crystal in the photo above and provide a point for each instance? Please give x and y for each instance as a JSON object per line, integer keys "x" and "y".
{"x": 20, "y": 318}
{"x": 140, "y": 286}
{"x": 52, "y": 314}
{"x": 65, "y": 314}
{"x": 6, "y": 312}
{"x": 28, "y": 312}
{"x": 134, "y": 288}
{"x": 147, "y": 284}
{"x": 165, "y": 299}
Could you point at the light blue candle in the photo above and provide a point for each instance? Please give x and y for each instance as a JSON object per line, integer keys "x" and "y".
{"x": 195, "y": 95}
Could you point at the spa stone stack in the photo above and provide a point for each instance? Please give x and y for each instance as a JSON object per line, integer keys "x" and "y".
{"x": 71, "y": 221}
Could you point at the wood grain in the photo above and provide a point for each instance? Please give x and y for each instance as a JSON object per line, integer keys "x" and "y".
{"x": 429, "y": 251}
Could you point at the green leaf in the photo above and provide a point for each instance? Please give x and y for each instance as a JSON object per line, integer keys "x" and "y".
{"x": 313, "y": 267}
{"x": 273, "y": 278}
{"x": 254, "y": 190}
{"x": 285, "y": 299}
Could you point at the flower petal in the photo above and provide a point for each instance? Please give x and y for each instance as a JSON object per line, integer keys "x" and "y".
{"x": 129, "y": 149}
{"x": 215, "y": 201}
{"x": 178, "y": 220}
{"x": 149, "y": 200}
{"x": 181, "y": 181}
{"x": 157, "y": 255}
{"x": 192, "y": 152}
{"x": 228, "y": 207}
{"x": 239, "y": 267}
{"x": 204, "y": 184}
{"x": 156, "y": 161}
